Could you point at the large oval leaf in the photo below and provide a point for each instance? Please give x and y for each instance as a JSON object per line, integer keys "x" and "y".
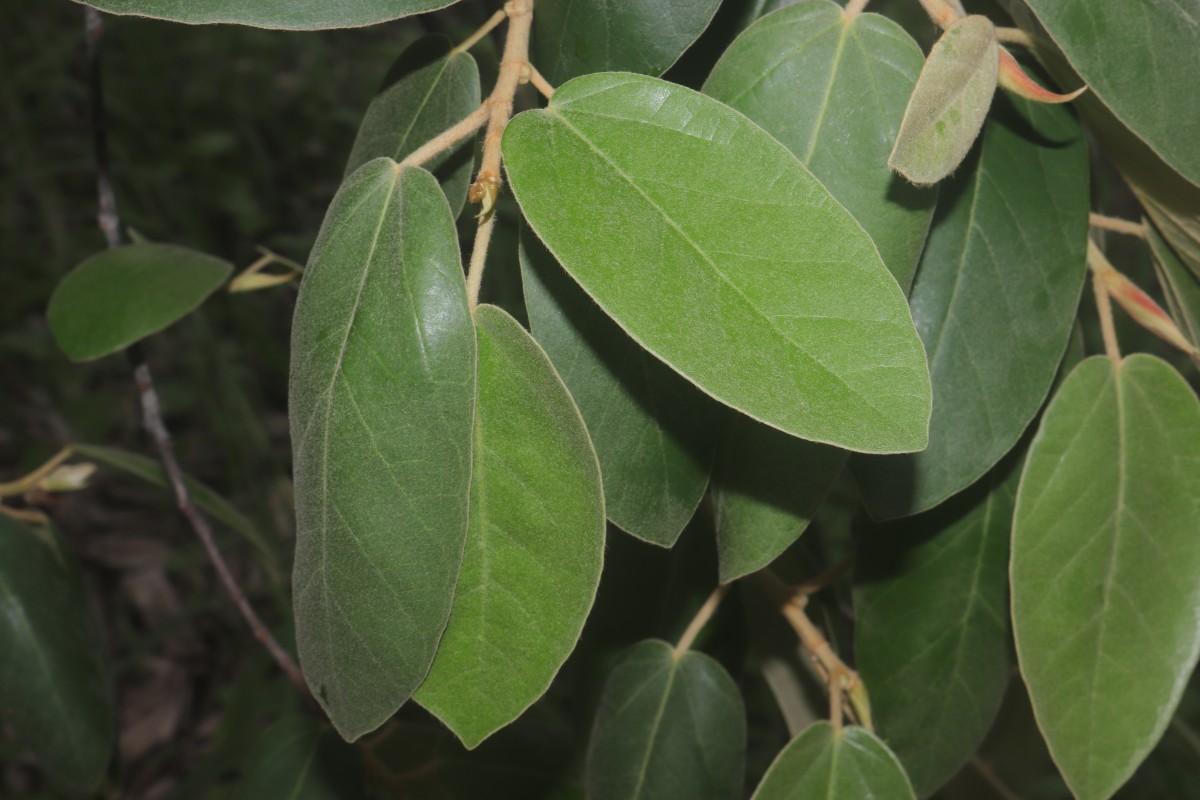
{"x": 574, "y": 38}
{"x": 766, "y": 488}
{"x": 834, "y": 91}
{"x": 824, "y": 763}
{"x": 949, "y": 103}
{"x": 429, "y": 88}
{"x": 994, "y": 300}
{"x": 710, "y": 244}
{"x": 297, "y": 760}
{"x": 54, "y": 684}
{"x": 1141, "y": 60}
{"x": 382, "y": 399}
{"x": 654, "y": 432}
{"x": 535, "y": 541}
{"x": 931, "y": 603}
{"x": 1106, "y": 566}
{"x": 669, "y": 727}
{"x": 289, "y": 14}
{"x": 121, "y": 296}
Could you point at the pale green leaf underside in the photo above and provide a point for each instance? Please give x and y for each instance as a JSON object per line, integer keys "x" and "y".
{"x": 382, "y": 399}
{"x": 654, "y": 432}
{"x": 535, "y": 541}
{"x": 932, "y": 635}
{"x": 55, "y": 694}
{"x": 1181, "y": 287}
{"x": 949, "y": 103}
{"x": 297, "y": 760}
{"x": 716, "y": 250}
{"x": 287, "y": 14}
{"x": 117, "y": 297}
{"x": 834, "y": 91}
{"x": 822, "y": 763}
{"x": 667, "y": 729}
{"x": 995, "y": 296}
{"x": 1106, "y": 566}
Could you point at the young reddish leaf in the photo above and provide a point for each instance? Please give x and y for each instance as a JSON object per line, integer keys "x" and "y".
{"x": 1014, "y": 79}
{"x": 1139, "y": 305}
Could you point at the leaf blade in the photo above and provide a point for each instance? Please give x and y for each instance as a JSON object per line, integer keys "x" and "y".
{"x": 822, "y": 763}
{"x": 295, "y": 759}
{"x": 281, "y": 14}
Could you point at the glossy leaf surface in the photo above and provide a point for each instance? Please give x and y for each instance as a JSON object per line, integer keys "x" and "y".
{"x": 296, "y": 760}
{"x": 932, "y": 641}
{"x": 535, "y": 542}
{"x": 55, "y": 693}
{"x": 729, "y": 261}
{"x": 834, "y": 91}
{"x": 949, "y": 103}
{"x": 654, "y": 432}
{"x": 288, "y": 14}
{"x": 382, "y": 399}
{"x": 1106, "y": 566}
{"x": 1180, "y": 286}
{"x": 1140, "y": 59}
{"x": 429, "y": 88}
{"x": 121, "y": 296}
{"x": 994, "y": 300}
{"x": 766, "y": 488}
{"x": 572, "y": 38}
{"x": 823, "y": 763}
{"x": 667, "y": 729}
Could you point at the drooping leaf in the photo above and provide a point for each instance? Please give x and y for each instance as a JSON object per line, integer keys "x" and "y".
{"x": 297, "y": 760}
{"x": 949, "y": 103}
{"x": 1140, "y": 60}
{"x": 833, "y": 91}
{"x": 286, "y": 14}
{"x": 766, "y": 487}
{"x": 535, "y": 541}
{"x": 382, "y": 400}
{"x": 429, "y": 88}
{"x": 668, "y": 728}
{"x": 654, "y": 432}
{"x": 118, "y": 297}
{"x": 728, "y": 260}
{"x": 55, "y": 692}
{"x": 1180, "y": 286}
{"x": 1106, "y": 566}
{"x": 824, "y": 763}
{"x": 994, "y": 300}
{"x": 931, "y": 606}
{"x": 574, "y": 38}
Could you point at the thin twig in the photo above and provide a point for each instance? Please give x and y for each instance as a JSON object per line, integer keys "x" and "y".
{"x": 479, "y": 250}
{"x": 540, "y": 83}
{"x": 1104, "y": 309}
{"x": 942, "y": 12}
{"x": 993, "y": 780}
{"x": 827, "y": 577}
{"x": 854, "y": 8}
{"x": 1015, "y": 36}
{"x": 447, "y": 138}
{"x": 29, "y": 482}
{"x": 152, "y": 418}
{"x": 1117, "y": 225}
{"x": 484, "y": 29}
{"x": 700, "y": 620}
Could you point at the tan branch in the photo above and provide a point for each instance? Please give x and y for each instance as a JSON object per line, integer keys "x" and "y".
{"x": 700, "y": 620}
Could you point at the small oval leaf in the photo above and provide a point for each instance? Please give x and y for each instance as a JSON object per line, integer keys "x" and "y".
{"x": 535, "y": 541}
{"x": 120, "y": 296}
{"x": 382, "y": 398}
{"x": 729, "y": 261}
{"x": 297, "y": 760}
{"x": 668, "y": 728}
{"x": 1106, "y": 566}
{"x": 949, "y": 103}
{"x": 286, "y": 14}
{"x": 824, "y": 763}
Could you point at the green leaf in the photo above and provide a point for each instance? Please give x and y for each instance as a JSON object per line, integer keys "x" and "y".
{"x": 834, "y": 91}
{"x": 1140, "y": 59}
{"x": 931, "y": 603}
{"x": 717, "y": 251}
{"x": 286, "y": 14}
{"x": 118, "y": 297}
{"x": 535, "y": 543}
{"x": 1106, "y": 566}
{"x": 667, "y": 728}
{"x": 295, "y": 759}
{"x": 1182, "y": 288}
{"x": 382, "y": 399}
{"x": 823, "y": 763}
{"x": 55, "y": 692}
{"x": 994, "y": 300}
{"x": 654, "y": 432}
{"x": 429, "y": 88}
{"x": 949, "y": 103}
{"x": 150, "y": 471}
{"x": 573, "y": 38}
{"x": 766, "y": 488}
